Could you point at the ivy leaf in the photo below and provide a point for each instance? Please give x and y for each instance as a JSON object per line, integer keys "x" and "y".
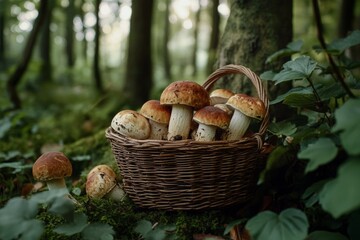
{"x": 98, "y": 231}
{"x": 78, "y": 225}
{"x": 322, "y": 151}
{"x": 342, "y": 194}
{"x": 289, "y": 224}
{"x": 347, "y": 121}
{"x": 324, "y": 235}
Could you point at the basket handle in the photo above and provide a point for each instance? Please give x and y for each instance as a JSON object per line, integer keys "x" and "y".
{"x": 256, "y": 81}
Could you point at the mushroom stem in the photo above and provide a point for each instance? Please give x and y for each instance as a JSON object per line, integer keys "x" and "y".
{"x": 158, "y": 130}
{"x": 56, "y": 184}
{"x": 205, "y": 133}
{"x": 180, "y": 122}
{"x": 116, "y": 194}
{"x": 238, "y": 126}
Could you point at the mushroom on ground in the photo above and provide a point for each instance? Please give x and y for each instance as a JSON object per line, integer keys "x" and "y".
{"x": 131, "y": 124}
{"x": 245, "y": 107}
{"x": 158, "y": 116}
{"x": 101, "y": 183}
{"x": 52, "y": 168}
{"x": 210, "y": 118}
{"x": 184, "y": 96}
{"x": 220, "y": 96}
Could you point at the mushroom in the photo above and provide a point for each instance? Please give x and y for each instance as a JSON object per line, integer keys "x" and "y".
{"x": 131, "y": 124}
{"x": 184, "y": 96}
{"x": 225, "y": 108}
{"x": 210, "y": 118}
{"x": 220, "y": 96}
{"x": 245, "y": 107}
{"x": 101, "y": 183}
{"x": 158, "y": 116}
{"x": 52, "y": 168}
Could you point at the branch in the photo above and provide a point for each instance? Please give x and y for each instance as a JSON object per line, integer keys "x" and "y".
{"x": 335, "y": 68}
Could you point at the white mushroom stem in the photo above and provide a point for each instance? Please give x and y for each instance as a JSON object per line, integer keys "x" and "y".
{"x": 56, "y": 184}
{"x": 158, "y": 130}
{"x": 205, "y": 133}
{"x": 239, "y": 123}
{"x": 116, "y": 193}
{"x": 180, "y": 122}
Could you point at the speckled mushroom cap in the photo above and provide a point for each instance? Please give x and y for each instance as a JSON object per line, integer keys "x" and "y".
{"x": 131, "y": 124}
{"x": 220, "y": 96}
{"x": 212, "y": 116}
{"x": 51, "y": 166}
{"x": 100, "y": 182}
{"x": 153, "y": 110}
{"x": 250, "y": 106}
{"x": 102, "y": 168}
{"x": 185, "y": 93}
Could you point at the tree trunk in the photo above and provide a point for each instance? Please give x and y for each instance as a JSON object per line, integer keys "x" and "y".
{"x": 346, "y": 17}
{"x": 214, "y": 37}
{"x": 15, "y": 78}
{"x": 2, "y": 35}
{"x": 196, "y": 34}
{"x": 167, "y": 61}
{"x": 256, "y": 29}
{"x": 69, "y": 34}
{"x": 45, "y": 46}
{"x": 138, "y": 82}
{"x": 96, "y": 67}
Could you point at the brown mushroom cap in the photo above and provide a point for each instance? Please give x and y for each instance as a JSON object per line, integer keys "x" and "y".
{"x": 185, "y": 93}
{"x": 212, "y": 116}
{"x": 99, "y": 183}
{"x": 153, "y": 110}
{"x": 220, "y": 96}
{"x": 131, "y": 124}
{"x": 250, "y": 106}
{"x": 102, "y": 168}
{"x": 51, "y": 166}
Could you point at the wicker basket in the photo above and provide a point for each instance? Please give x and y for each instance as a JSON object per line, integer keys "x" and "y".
{"x": 191, "y": 175}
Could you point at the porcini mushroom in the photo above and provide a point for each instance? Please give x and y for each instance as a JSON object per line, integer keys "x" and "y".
{"x": 184, "y": 97}
{"x": 131, "y": 124}
{"x": 220, "y": 96}
{"x": 101, "y": 183}
{"x": 52, "y": 168}
{"x": 158, "y": 116}
{"x": 210, "y": 118}
{"x": 245, "y": 107}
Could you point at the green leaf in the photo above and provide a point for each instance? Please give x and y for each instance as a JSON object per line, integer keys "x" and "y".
{"x": 295, "y": 45}
{"x": 290, "y": 49}
{"x": 62, "y": 206}
{"x": 288, "y": 75}
{"x": 324, "y": 235}
{"x": 341, "y": 45}
{"x": 289, "y": 224}
{"x": 347, "y": 122}
{"x": 311, "y": 194}
{"x": 233, "y": 224}
{"x": 296, "y": 90}
{"x": 48, "y": 196}
{"x": 98, "y": 231}
{"x": 282, "y": 128}
{"x": 77, "y": 226}
{"x": 143, "y": 227}
{"x": 267, "y": 76}
{"x": 301, "y": 100}
{"x": 322, "y": 151}
{"x": 17, "y": 166}
{"x": 342, "y": 194}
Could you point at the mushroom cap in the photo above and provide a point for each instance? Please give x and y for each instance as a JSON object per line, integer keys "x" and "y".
{"x": 250, "y": 106}
{"x": 102, "y": 168}
{"x": 131, "y": 124}
{"x": 220, "y": 95}
{"x": 51, "y": 166}
{"x": 185, "y": 93}
{"x": 99, "y": 183}
{"x": 153, "y": 110}
{"x": 212, "y": 116}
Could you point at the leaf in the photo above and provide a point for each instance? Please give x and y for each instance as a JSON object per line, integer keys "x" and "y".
{"x": 322, "y": 151}
{"x": 143, "y": 227}
{"x": 299, "y": 90}
{"x": 347, "y": 122}
{"x": 288, "y": 75}
{"x": 77, "y": 226}
{"x": 267, "y": 76}
{"x": 295, "y": 45}
{"x": 233, "y": 224}
{"x": 324, "y": 235}
{"x": 311, "y": 194}
{"x": 282, "y": 128}
{"x": 62, "y": 206}
{"x": 342, "y": 194}
{"x": 301, "y": 100}
{"x": 290, "y": 49}
{"x": 98, "y": 231}
{"x": 17, "y": 166}
{"x": 341, "y": 45}
{"x": 289, "y": 224}
{"x": 48, "y": 196}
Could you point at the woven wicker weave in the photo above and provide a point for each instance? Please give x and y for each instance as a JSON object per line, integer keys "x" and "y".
{"x": 191, "y": 175}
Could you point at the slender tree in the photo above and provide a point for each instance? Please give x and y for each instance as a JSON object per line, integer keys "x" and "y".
{"x": 214, "y": 36}
{"x": 196, "y": 37}
{"x": 16, "y": 76}
{"x": 138, "y": 82}
{"x": 2, "y": 35}
{"x": 96, "y": 63}
{"x": 346, "y": 17}
{"x": 69, "y": 34}
{"x": 167, "y": 60}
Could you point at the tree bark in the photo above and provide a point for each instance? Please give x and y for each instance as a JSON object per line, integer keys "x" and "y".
{"x": 214, "y": 37}
{"x": 2, "y": 35}
{"x": 196, "y": 34}
{"x": 15, "y": 78}
{"x": 167, "y": 60}
{"x": 69, "y": 34}
{"x": 346, "y": 17}
{"x": 96, "y": 63}
{"x": 138, "y": 82}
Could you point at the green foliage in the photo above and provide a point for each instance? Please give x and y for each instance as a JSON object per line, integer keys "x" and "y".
{"x": 323, "y": 235}
{"x": 152, "y": 232}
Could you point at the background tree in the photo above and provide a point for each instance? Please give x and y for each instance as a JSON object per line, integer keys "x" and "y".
{"x": 96, "y": 63}
{"x": 214, "y": 36}
{"x": 69, "y": 34}
{"x": 167, "y": 33}
{"x": 196, "y": 39}
{"x": 138, "y": 80}
{"x": 2, "y": 29}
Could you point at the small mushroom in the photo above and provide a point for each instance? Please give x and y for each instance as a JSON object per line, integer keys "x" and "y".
{"x": 245, "y": 107}
{"x": 184, "y": 97}
{"x": 220, "y": 96}
{"x": 52, "y": 168}
{"x": 225, "y": 108}
{"x": 158, "y": 116}
{"x": 101, "y": 183}
{"x": 131, "y": 124}
{"x": 210, "y": 118}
